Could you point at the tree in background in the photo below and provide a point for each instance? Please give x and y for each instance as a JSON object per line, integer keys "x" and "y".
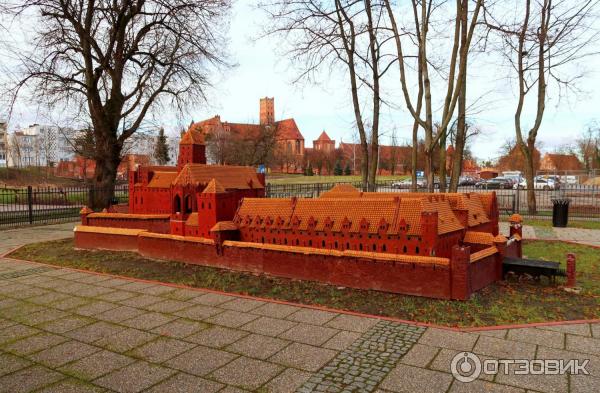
{"x": 347, "y": 170}
{"x": 337, "y": 170}
{"x": 309, "y": 170}
{"x": 537, "y": 39}
{"x": 345, "y": 34}
{"x": 161, "y": 149}
{"x": 115, "y": 62}
{"x": 456, "y": 71}
{"x": 588, "y": 147}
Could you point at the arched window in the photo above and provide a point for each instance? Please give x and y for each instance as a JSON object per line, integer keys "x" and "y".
{"x": 360, "y": 246}
{"x": 322, "y": 243}
{"x": 374, "y": 247}
{"x": 417, "y": 249}
{"x": 188, "y": 204}
{"x": 177, "y": 204}
{"x": 384, "y": 248}
{"x": 404, "y": 249}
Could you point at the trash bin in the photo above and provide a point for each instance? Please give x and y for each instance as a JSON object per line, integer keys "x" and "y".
{"x": 560, "y": 212}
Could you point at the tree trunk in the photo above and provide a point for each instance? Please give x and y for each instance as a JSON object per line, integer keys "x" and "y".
{"x": 373, "y": 163}
{"x": 413, "y": 157}
{"x": 461, "y": 126}
{"x": 108, "y": 158}
{"x": 529, "y": 177}
{"x": 442, "y": 156}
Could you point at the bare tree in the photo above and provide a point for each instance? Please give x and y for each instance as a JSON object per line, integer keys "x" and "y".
{"x": 588, "y": 147}
{"x": 456, "y": 75}
{"x": 117, "y": 61}
{"x": 537, "y": 39}
{"x": 324, "y": 35}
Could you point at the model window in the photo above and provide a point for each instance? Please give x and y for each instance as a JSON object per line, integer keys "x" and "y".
{"x": 177, "y": 204}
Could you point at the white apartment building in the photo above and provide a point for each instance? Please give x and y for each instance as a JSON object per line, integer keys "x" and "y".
{"x": 39, "y": 145}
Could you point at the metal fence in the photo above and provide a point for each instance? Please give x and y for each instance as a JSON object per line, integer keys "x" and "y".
{"x": 33, "y": 205}
{"x": 45, "y": 205}
{"x": 585, "y": 200}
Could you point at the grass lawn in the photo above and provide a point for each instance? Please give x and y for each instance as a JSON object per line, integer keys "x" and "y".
{"x": 573, "y": 223}
{"x": 301, "y": 179}
{"x": 507, "y": 302}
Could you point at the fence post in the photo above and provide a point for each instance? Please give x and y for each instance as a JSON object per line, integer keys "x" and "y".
{"x": 30, "y": 203}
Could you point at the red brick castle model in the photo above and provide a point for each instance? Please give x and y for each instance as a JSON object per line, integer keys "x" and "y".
{"x": 437, "y": 245}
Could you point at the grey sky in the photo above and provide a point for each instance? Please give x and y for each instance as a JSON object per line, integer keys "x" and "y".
{"x": 261, "y": 72}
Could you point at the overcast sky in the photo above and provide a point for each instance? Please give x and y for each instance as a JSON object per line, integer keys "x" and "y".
{"x": 261, "y": 72}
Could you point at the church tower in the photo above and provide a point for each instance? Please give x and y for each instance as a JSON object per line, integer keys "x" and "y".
{"x": 267, "y": 111}
{"x": 191, "y": 148}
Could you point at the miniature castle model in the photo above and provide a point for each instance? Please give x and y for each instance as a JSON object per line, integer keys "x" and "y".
{"x": 437, "y": 245}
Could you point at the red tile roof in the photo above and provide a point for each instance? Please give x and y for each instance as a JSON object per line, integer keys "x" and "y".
{"x": 224, "y": 226}
{"x": 214, "y": 187}
{"x": 162, "y": 179}
{"x": 324, "y": 137}
{"x": 560, "y": 162}
{"x": 229, "y": 176}
{"x": 316, "y": 213}
{"x": 288, "y": 129}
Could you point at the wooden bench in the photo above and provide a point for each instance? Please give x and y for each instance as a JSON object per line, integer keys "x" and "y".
{"x": 536, "y": 268}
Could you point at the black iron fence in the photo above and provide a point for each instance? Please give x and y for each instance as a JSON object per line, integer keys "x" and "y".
{"x": 46, "y": 205}
{"x": 585, "y": 200}
{"x": 36, "y": 205}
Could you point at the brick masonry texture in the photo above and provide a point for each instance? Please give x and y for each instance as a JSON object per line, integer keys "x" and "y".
{"x": 363, "y": 365}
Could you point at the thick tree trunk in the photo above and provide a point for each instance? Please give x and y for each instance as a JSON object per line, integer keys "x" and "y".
{"x": 108, "y": 158}
{"x": 364, "y": 165}
{"x": 373, "y": 163}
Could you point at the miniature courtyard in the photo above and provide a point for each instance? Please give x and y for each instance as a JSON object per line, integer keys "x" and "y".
{"x": 70, "y": 330}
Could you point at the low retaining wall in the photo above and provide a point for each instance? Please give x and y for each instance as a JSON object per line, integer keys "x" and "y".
{"x": 420, "y": 276}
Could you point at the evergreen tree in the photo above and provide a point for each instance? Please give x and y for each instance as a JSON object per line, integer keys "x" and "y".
{"x": 337, "y": 170}
{"x": 161, "y": 149}
{"x": 347, "y": 170}
{"x": 309, "y": 170}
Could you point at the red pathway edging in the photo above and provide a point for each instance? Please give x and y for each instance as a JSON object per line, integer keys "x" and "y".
{"x": 314, "y": 307}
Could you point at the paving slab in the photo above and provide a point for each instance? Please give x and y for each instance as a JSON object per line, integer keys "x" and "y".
{"x": 200, "y": 360}
{"x": 135, "y": 377}
{"x": 187, "y": 383}
{"x": 247, "y": 373}
{"x": 97, "y": 365}
{"x": 257, "y": 346}
{"x": 28, "y": 379}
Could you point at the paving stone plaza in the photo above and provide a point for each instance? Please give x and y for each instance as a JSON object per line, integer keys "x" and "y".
{"x": 67, "y": 331}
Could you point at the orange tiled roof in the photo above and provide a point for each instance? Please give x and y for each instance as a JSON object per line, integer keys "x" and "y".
{"x": 314, "y": 213}
{"x": 471, "y": 202}
{"x": 214, "y": 187}
{"x": 109, "y": 230}
{"x": 193, "y": 136}
{"x": 341, "y": 189}
{"x": 129, "y": 216}
{"x": 189, "y": 239}
{"x": 230, "y": 177}
{"x": 192, "y": 220}
{"x": 479, "y": 238}
{"x": 287, "y": 129}
{"x": 224, "y": 226}
{"x": 486, "y": 252}
{"x": 324, "y": 137}
{"x": 162, "y": 179}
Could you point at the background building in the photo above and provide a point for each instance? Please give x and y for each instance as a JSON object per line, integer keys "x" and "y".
{"x": 39, "y": 145}
{"x": 3, "y": 144}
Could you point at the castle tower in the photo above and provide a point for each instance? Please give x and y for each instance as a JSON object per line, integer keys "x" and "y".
{"x": 267, "y": 111}
{"x": 191, "y": 148}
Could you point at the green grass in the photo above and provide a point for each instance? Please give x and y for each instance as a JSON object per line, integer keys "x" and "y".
{"x": 572, "y": 223}
{"x": 301, "y": 179}
{"x": 506, "y": 302}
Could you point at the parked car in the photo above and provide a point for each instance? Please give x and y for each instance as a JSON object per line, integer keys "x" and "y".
{"x": 407, "y": 183}
{"x": 496, "y": 183}
{"x": 570, "y": 180}
{"x": 539, "y": 184}
{"x": 466, "y": 181}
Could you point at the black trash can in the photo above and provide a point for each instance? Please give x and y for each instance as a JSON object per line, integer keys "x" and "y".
{"x": 560, "y": 212}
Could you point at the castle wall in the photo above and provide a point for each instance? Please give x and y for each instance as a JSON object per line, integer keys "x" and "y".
{"x": 152, "y": 223}
{"x": 431, "y": 277}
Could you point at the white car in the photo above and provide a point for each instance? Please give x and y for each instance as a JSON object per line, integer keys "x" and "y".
{"x": 539, "y": 184}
